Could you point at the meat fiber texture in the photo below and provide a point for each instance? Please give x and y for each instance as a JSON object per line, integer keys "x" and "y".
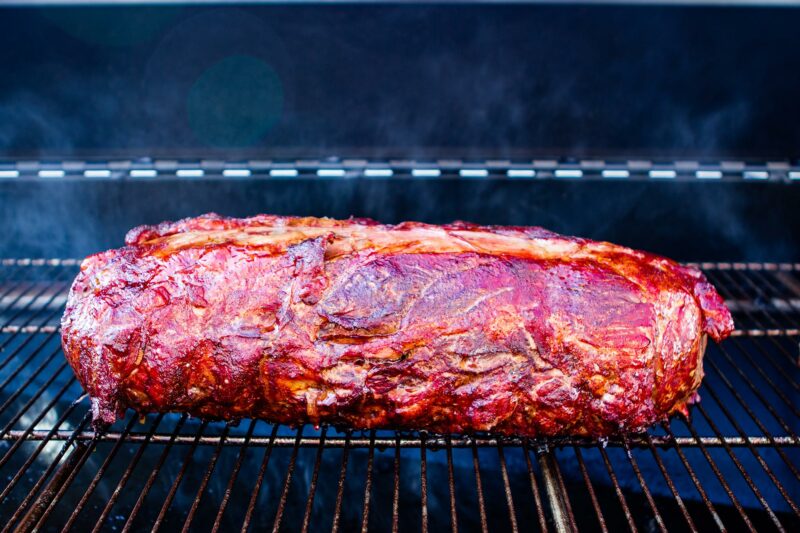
{"x": 451, "y": 329}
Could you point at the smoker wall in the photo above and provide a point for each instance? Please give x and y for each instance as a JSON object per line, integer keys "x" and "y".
{"x": 687, "y": 220}
{"x": 405, "y": 81}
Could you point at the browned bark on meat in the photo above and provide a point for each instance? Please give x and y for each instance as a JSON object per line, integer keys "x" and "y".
{"x": 453, "y": 329}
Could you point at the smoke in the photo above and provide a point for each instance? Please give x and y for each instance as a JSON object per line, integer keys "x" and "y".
{"x": 405, "y": 81}
{"x": 720, "y": 124}
{"x": 42, "y": 125}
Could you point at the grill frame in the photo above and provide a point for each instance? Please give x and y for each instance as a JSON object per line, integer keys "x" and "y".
{"x": 763, "y": 171}
{"x": 30, "y": 305}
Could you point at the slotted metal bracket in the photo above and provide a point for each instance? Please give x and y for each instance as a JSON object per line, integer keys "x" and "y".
{"x": 344, "y": 168}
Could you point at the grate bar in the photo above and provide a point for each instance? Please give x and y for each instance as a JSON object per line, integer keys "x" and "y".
{"x": 10, "y": 356}
{"x": 259, "y": 481}
{"x": 39, "y": 261}
{"x": 596, "y": 504}
{"x": 313, "y": 485}
{"x": 396, "y": 492}
{"x": 740, "y": 349}
{"x": 479, "y": 486}
{"x": 535, "y": 489}
{"x": 452, "y": 486}
{"x": 414, "y": 442}
{"x": 556, "y": 494}
{"x": 152, "y": 477}
{"x": 73, "y": 471}
{"x": 49, "y": 470}
{"x": 32, "y": 399}
{"x": 18, "y": 442}
{"x": 368, "y": 484}
{"x": 755, "y": 453}
{"x": 125, "y": 476}
{"x": 512, "y": 515}
{"x": 100, "y": 471}
{"x": 234, "y": 473}
{"x": 423, "y": 483}
{"x": 757, "y": 289}
{"x": 766, "y": 332}
{"x": 645, "y": 489}
{"x": 717, "y": 473}
{"x": 177, "y": 481}
{"x": 24, "y": 468}
{"x": 726, "y": 293}
{"x": 30, "y": 329}
{"x": 563, "y": 486}
{"x": 762, "y": 171}
{"x": 287, "y": 482}
{"x": 27, "y": 307}
{"x": 21, "y": 388}
{"x": 675, "y": 494}
{"x": 755, "y": 418}
{"x": 23, "y": 309}
{"x": 204, "y": 483}
{"x": 340, "y": 491}
{"x": 620, "y": 496}
{"x": 745, "y": 475}
{"x": 700, "y": 490}
{"x": 38, "y": 512}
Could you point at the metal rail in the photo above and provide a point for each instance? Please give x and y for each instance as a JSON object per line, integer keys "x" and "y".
{"x": 732, "y": 465}
{"x": 434, "y": 442}
{"x": 641, "y": 169}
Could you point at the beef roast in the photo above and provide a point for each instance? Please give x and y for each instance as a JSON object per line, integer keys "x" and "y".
{"x": 454, "y": 329}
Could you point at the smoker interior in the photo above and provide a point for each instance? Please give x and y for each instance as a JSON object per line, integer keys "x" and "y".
{"x": 733, "y": 464}
{"x": 669, "y": 128}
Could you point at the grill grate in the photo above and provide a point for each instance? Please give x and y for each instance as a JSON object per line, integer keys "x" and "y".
{"x": 734, "y": 465}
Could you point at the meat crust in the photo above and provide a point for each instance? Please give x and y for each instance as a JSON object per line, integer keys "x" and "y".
{"x": 453, "y": 329}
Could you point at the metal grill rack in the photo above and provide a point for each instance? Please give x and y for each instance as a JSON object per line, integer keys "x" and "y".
{"x": 733, "y": 465}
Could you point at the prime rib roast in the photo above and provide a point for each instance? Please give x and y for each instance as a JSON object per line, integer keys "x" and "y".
{"x": 457, "y": 328}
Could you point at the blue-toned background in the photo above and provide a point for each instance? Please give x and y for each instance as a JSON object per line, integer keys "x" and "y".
{"x": 403, "y": 80}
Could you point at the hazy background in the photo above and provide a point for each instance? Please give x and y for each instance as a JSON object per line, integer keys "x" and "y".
{"x": 402, "y": 80}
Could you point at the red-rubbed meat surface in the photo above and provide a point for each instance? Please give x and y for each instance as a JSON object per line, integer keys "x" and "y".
{"x": 453, "y": 329}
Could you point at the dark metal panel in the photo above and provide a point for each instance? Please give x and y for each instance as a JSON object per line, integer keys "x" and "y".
{"x": 468, "y": 80}
{"x": 688, "y": 220}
